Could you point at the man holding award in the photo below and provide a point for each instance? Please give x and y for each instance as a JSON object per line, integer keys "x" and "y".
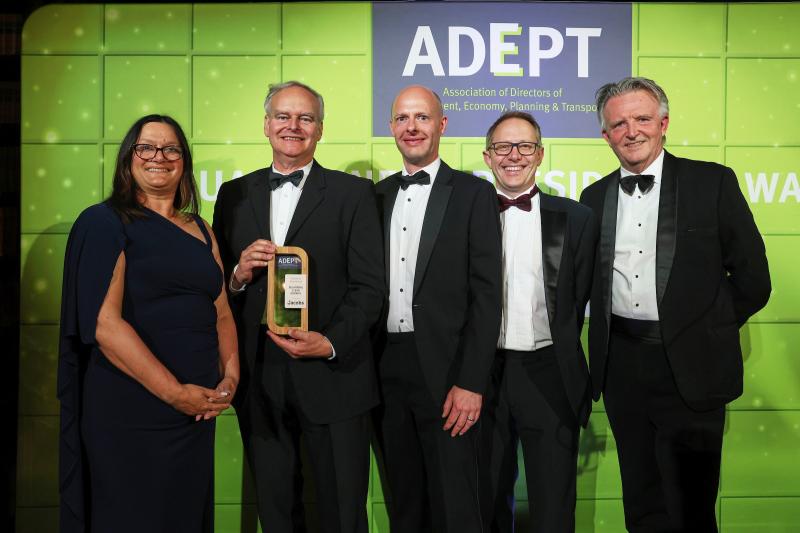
{"x": 318, "y": 384}
{"x": 442, "y": 247}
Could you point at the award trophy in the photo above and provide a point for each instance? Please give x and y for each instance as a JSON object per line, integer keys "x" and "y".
{"x": 287, "y": 290}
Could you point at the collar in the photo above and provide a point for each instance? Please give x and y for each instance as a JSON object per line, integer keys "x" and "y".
{"x": 432, "y": 169}
{"x": 306, "y": 171}
{"x": 654, "y": 169}
{"x": 520, "y": 194}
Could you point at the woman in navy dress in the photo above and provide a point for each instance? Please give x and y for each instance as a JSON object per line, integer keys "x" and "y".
{"x": 148, "y": 350}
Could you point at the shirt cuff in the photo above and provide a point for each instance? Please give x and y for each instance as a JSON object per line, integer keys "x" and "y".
{"x": 333, "y": 355}
{"x": 230, "y": 283}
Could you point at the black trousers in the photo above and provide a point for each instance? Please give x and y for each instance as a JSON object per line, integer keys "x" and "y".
{"x": 431, "y": 478}
{"x": 528, "y": 403}
{"x": 339, "y": 459}
{"x": 669, "y": 455}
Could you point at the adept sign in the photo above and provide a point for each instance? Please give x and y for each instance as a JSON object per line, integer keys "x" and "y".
{"x": 484, "y": 59}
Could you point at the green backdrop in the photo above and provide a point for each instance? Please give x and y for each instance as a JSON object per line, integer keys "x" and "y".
{"x": 731, "y": 72}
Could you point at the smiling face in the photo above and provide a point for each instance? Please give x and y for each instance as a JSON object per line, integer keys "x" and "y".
{"x": 417, "y": 124}
{"x": 293, "y": 127}
{"x": 634, "y": 129}
{"x": 157, "y": 175}
{"x": 514, "y": 173}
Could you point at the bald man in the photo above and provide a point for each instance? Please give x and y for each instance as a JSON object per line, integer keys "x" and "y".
{"x": 442, "y": 240}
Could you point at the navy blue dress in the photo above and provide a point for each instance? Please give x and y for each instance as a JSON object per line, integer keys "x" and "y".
{"x": 128, "y": 461}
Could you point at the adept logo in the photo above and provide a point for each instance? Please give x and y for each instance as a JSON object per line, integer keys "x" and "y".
{"x": 424, "y": 51}
{"x": 487, "y": 58}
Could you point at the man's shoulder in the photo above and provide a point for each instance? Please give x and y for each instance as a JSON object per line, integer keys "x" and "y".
{"x": 572, "y": 207}
{"x": 459, "y": 178}
{"x": 695, "y": 165}
{"x": 245, "y": 181}
{"x": 343, "y": 179}
{"x": 384, "y": 184}
{"x": 343, "y": 184}
{"x": 597, "y": 189}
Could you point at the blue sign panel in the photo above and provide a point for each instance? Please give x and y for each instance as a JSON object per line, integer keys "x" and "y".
{"x": 486, "y": 58}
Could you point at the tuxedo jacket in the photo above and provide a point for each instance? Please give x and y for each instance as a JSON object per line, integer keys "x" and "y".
{"x": 457, "y": 297}
{"x": 569, "y": 237}
{"x": 711, "y": 276}
{"x": 336, "y": 223}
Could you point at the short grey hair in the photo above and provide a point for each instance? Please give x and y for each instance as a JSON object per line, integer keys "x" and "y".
{"x": 627, "y": 85}
{"x": 275, "y": 88}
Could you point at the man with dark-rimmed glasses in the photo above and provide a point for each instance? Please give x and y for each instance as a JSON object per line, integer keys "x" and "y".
{"x": 539, "y": 392}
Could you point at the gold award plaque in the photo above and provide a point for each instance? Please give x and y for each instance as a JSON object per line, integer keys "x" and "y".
{"x": 287, "y": 290}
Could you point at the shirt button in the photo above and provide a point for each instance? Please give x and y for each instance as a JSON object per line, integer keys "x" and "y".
{"x": 402, "y": 259}
{"x": 401, "y": 320}
{"x": 401, "y": 290}
{"x": 404, "y": 228}
{"x": 636, "y": 276}
{"x": 640, "y": 224}
{"x": 640, "y": 251}
{"x": 637, "y": 305}
{"x": 408, "y": 200}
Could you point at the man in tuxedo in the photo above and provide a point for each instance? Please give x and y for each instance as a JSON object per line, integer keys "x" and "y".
{"x": 540, "y": 393}
{"x": 318, "y": 384}
{"x": 680, "y": 267}
{"x": 442, "y": 257}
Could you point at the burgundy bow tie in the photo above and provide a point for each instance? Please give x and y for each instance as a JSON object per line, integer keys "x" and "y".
{"x": 523, "y": 201}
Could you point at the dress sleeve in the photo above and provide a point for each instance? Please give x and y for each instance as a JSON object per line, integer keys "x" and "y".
{"x": 93, "y": 247}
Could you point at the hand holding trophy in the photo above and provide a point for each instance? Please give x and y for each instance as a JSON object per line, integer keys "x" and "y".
{"x": 287, "y": 290}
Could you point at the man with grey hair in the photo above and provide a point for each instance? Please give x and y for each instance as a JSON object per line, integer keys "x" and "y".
{"x": 680, "y": 267}
{"x": 318, "y": 385}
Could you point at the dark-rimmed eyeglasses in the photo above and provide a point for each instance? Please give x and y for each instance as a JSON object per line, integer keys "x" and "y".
{"x": 148, "y": 151}
{"x": 524, "y": 148}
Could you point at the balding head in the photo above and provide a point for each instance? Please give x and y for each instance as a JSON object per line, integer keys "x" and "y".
{"x": 417, "y": 124}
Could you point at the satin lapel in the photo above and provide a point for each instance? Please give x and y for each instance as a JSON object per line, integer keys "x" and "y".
{"x": 554, "y": 227}
{"x": 667, "y": 224}
{"x": 389, "y": 198}
{"x": 259, "y": 201}
{"x": 310, "y": 198}
{"x": 434, "y": 214}
{"x": 608, "y": 236}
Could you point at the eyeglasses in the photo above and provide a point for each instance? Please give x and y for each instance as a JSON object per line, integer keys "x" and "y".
{"x": 148, "y": 151}
{"x": 524, "y": 148}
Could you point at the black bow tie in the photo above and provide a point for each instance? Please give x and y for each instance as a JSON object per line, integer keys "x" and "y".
{"x": 644, "y": 182}
{"x": 523, "y": 201}
{"x": 276, "y": 179}
{"x": 420, "y": 177}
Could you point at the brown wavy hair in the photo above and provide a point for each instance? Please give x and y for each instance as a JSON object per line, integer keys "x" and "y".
{"x": 123, "y": 198}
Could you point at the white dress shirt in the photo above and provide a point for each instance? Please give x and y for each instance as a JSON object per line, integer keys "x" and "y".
{"x": 283, "y": 202}
{"x": 633, "y": 289}
{"x": 404, "y": 234}
{"x": 525, "y": 325}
